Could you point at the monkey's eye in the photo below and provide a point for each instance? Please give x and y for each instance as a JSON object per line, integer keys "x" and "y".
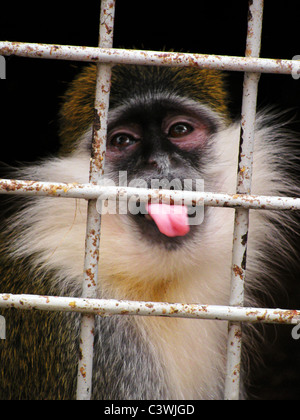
{"x": 123, "y": 140}
{"x": 180, "y": 130}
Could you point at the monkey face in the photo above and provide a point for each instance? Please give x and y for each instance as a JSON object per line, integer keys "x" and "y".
{"x": 162, "y": 129}
{"x": 161, "y": 143}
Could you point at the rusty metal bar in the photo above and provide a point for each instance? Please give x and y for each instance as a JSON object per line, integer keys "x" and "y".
{"x": 116, "y": 56}
{"x": 244, "y": 183}
{"x": 94, "y": 192}
{"x": 111, "y": 307}
{"x": 90, "y": 283}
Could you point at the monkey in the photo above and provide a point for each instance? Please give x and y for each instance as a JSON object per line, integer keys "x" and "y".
{"x": 165, "y": 123}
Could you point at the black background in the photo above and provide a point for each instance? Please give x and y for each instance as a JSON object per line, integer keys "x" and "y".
{"x": 30, "y": 96}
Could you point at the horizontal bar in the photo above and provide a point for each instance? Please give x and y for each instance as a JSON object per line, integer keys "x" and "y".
{"x": 112, "y": 307}
{"x": 90, "y": 192}
{"x": 141, "y": 57}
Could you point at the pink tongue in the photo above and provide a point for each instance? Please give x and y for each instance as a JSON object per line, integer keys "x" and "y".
{"x": 172, "y": 221}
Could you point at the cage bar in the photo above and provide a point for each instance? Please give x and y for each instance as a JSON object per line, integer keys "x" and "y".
{"x": 112, "y": 307}
{"x": 90, "y": 283}
{"x": 244, "y": 182}
{"x": 94, "y": 192}
{"x": 142, "y": 57}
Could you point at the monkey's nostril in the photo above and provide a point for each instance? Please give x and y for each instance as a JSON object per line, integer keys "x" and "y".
{"x": 153, "y": 163}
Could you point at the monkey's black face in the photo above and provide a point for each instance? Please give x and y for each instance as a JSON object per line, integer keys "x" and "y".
{"x": 161, "y": 143}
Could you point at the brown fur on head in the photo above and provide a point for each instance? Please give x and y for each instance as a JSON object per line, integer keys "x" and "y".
{"x": 77, "y": 111}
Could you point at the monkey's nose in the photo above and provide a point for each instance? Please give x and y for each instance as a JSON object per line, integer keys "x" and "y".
{"x": 153, "y": 163}
{"x": 159, "y": 162}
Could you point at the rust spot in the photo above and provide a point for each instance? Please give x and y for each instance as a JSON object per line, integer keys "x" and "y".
{"x": 285, "y": 316}
{"x": 252, "y": 313}
{"x": 238, "y": 335}
{"x": 91, "y": 276}
{"x": 292, "y": 314}
{"x": 238, "y": 271}
{"x": 83, "y": 372}
{"x": 97, "y": 121}
{"x": 108, "y": 29}
{"x": 173, "y": 310}
{"x": 125, "y": 313}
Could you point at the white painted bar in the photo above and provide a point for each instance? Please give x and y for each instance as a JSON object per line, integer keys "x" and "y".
{"x": 111, "y": 307}
{"x": 244, "y": 184}
{"x": 93, "y": 192}
{"x": 155, "y": 58}
{"x": 93, "y": 231}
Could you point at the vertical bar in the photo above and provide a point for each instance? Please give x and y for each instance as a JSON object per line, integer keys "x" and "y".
{"x": 90, "y": 282}
{"x": 244, "y": 182}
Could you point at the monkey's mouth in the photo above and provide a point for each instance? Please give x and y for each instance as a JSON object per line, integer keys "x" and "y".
{"x": 169, "y": 221}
